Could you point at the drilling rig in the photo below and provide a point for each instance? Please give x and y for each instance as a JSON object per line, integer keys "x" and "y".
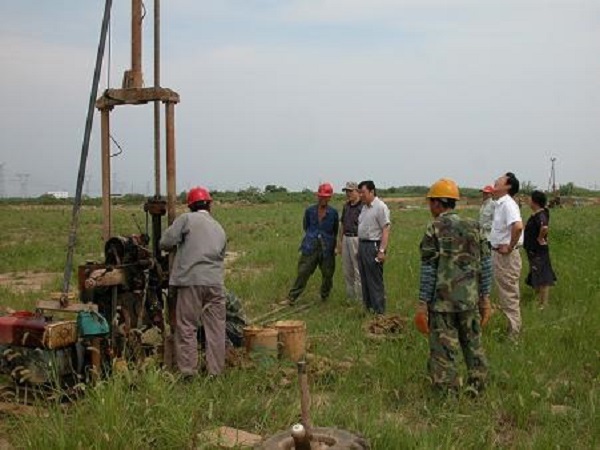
{"x": 127, "y": 293}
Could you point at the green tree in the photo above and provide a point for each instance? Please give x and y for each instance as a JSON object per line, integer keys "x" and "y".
{"x": 527, "y": 187}
{"x": 567, "y": 189}
{"x": 273, "y": 189}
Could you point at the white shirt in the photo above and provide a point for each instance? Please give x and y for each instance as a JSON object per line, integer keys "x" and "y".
{"x": 506, "y": 213}
{"x": 372, "y": 220}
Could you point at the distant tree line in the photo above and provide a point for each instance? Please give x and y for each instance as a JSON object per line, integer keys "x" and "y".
{"x": 273, "y": 193}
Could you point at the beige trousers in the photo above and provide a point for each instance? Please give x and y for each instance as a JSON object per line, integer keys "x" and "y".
{"x": 194, "y": 304}
{"x": 350, "y": 266}
{"x": 507, "y": 271}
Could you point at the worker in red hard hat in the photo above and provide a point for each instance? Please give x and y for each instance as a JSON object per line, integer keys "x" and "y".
{"x": 198, "y": 274}
{"x": 486, "y": 211}
{"x": 317, "y": 249}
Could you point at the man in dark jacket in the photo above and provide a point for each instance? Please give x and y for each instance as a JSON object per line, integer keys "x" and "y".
{"x": 317, "y": 249}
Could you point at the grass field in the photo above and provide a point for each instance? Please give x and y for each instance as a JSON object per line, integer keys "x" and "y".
{"x": 543, "y": 392}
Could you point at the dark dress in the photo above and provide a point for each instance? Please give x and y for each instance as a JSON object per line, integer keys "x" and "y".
{"x": 540, "y": 268}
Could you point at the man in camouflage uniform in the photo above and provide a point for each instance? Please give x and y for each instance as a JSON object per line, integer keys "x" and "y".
{"x": 454, "y": 290}
{"x": 235, "y": 321}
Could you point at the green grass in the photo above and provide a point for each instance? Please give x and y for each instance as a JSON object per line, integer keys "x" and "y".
{"x": 543, "y": 393}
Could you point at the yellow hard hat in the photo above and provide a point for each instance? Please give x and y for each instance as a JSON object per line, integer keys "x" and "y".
{"x": 444, "y": 188}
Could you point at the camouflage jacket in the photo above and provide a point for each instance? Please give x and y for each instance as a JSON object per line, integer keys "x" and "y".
{"x": 235, "y": 320}
{"x": 456, "y": 266}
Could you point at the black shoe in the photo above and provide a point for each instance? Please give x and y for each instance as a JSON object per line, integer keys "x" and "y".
{"x": 187, "y": 379}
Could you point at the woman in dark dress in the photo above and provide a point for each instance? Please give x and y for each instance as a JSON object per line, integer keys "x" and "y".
{"x": 541, "y": 276}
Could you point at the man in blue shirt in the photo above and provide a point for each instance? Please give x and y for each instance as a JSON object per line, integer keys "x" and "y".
{"x": 320, "y": 225}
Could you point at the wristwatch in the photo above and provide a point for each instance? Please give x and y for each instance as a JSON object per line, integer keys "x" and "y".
{"x": 382, "y": 250}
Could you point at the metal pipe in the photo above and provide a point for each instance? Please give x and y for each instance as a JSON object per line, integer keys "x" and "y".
{"x": 301, "y": 440}
{"x": 136, "y": 44}
{"x": 85, "y": 146}
{"x": 95, "y": 357}
{"x": 157, "y": 103}
{"x": 106, "y": 188}
{"x": 304, "y": 399}
{"x": 171, "y": 181}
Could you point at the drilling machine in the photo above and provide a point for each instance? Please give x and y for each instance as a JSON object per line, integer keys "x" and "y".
{"x": 126, "y": 293}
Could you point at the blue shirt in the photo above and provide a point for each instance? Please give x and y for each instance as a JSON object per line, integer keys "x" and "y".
{"x": 324, "y": 231}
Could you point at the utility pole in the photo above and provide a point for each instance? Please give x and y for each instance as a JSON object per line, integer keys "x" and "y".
{"x": 552, "y": 180}
{"x": 555, "y": 200}
{"x": 24, "y": 184}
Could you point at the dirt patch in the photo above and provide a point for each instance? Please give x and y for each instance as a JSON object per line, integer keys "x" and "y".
{"x": 238, "y": 358}
{"x": 231, "y": 257}
{"x": 321, "y": 370}
{"x": 385, "y": 326}
{"x": 23, "y": 282}
{"x": 5, "y": 445}
{"x": 243, "y": 272}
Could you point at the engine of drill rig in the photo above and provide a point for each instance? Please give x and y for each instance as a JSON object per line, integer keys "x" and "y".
{"x": 125, "y": 298}
{"x": 128, "y": 290}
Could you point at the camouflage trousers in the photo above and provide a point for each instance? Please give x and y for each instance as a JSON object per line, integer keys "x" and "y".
{"x": 448, "y": 332}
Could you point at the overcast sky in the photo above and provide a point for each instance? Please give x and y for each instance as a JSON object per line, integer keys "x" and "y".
{"x": 295, "y": 92}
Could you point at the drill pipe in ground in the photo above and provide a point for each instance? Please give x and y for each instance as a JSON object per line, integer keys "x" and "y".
{"x": 301, "y": 440}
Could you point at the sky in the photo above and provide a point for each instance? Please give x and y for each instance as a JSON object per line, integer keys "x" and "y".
{"x": 299, "y": 92}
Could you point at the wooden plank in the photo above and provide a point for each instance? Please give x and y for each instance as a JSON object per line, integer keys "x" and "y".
{"x": 136, "y": 96}
{"x": 53, "y": 305}
{"x": 59, "y": 295}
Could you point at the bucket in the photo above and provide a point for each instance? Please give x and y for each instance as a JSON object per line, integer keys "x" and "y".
{"x": 261, "y": 340}
{"x": 292, "y": 339}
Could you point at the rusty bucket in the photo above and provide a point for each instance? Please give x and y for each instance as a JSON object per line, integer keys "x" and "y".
{"x": 261, "y": 340}
{"x": 292, "y": 339}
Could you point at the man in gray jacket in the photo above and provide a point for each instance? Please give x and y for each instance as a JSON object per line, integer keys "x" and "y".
{"x": 198, "y": 274}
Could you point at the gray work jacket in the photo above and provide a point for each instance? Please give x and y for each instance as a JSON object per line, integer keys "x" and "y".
{"x": 200, "y": 242}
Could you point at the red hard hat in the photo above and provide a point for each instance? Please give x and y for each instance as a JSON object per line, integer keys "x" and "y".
{"x": 325, "y": 190}
{"x": 198, "y": 194}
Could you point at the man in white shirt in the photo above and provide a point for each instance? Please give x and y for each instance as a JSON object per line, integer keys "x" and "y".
{"x": 506, "y": 237}
{"x": 373, "y": 235}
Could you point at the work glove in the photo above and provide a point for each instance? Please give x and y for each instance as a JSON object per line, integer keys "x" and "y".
{"x": 422, "y": 317}
{"x": 485, "y": 310}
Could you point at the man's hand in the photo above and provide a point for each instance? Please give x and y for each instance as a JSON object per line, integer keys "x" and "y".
{"x": 504, "y": 249}
{"x": 380, "y": 258}
{"x": 485, "y": 309}
{"x": 422, "y": 317}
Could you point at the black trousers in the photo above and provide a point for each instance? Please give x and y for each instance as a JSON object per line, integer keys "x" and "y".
{"x": 371, "y": 276}
{"x": 306, "y": 267}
